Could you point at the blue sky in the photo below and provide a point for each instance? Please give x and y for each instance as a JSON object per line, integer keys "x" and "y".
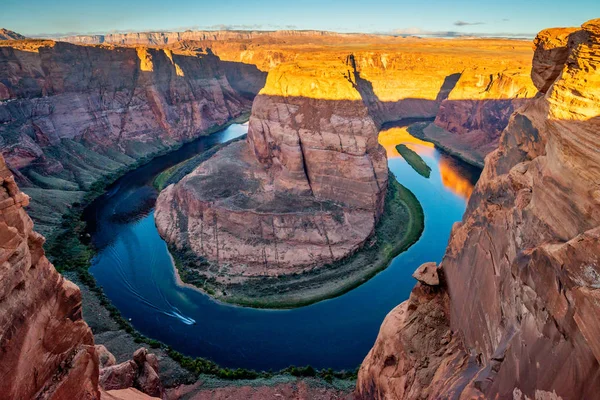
{"x": 509, "y": 17}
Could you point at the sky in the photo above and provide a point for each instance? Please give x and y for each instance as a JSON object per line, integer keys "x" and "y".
{"x": 53, "y": 18}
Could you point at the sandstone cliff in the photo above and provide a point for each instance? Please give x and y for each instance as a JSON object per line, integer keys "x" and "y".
{"x": 306, "y": 188}
{"x": 163, "y": 38}
{"x": 476, "y": 111}
{"x": 515, "y": 312}
{"x": 46, "y": 349}
{"x": 70, "y": 115}
{"x": 471, "y": 87}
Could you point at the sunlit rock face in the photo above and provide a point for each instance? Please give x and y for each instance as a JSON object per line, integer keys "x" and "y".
{"x": 70, "y": 115}
{"x": 521, "y": 270}
{"x": 46, "y": 349}
{"x": 306, "y": 188}
{"x": 5, "y": 34}
{"x": 474, "y": 84}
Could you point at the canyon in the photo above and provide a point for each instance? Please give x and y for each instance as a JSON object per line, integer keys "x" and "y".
{"x": 511, "y": 311}
{"x": 304, "y": 191}
{"x": 73, "y": 115}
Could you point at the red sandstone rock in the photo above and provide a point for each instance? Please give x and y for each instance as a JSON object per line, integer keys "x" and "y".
{"x": 297, "y": 390}
{"x": 427, "y": 273}
{"x": 141, "y": 372}
{"x": 105, "y": 357}
{"x": 522, "y": 268}
{"x": 120, "y": 376}
{"x": 478, "y": 109}
{"x": 125, "y": 394}
{"x": 46, "y": 349}
{"x": 70, "y": 115}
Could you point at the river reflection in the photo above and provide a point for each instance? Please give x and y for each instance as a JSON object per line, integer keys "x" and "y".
{"x": 455, "y": 175}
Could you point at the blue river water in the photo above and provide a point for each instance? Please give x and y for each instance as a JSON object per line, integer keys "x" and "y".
{"x": 136, "y": 272}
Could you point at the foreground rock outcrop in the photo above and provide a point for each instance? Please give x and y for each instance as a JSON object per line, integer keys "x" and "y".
{"x": 304, "y": 190}
{"x": 516, "y": 311}
{"x": 140, "y": 373}
{"x": 46, "y": 349}
{"x": 71, "y": 115}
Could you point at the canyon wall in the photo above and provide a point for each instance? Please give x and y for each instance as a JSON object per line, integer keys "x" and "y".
{"x": 164, "y": 38}
{"x": 402, "y": 77}
{"x": 306, "y": 189}
{"x": 514, "y": 311}
{"x": 70, "y": 115}
{"x": 470, "y": 120}
{"x": 46, "y": 349}
{"x": 470, "y": 87}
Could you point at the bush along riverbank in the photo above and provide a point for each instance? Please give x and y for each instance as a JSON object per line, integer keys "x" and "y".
{"x": 71, "y": 252}
{"x": 400, "y": 226}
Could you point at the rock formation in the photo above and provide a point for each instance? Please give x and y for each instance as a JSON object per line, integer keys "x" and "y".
{"x": 5, "y": 34}
{"x": 164, "y": 38}
{"x": 70, "y": 115}
{"x": 46, "y": 349}
{"x": 516, "y": 311}
{"x": 471, "y": 96}
{"x": 306, "y": 188}
{"x": 141, "y": 373}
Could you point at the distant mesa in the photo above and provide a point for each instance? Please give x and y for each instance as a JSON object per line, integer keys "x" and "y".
{"x": 5, "y": 34}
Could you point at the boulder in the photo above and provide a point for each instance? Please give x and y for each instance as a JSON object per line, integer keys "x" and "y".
{"x": 427, "y": 274}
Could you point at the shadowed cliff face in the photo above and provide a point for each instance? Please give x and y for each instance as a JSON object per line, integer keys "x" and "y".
{"x": 306, "y": 189}
{"x": 517, "y": 302}
{"x": 73, "y": 114}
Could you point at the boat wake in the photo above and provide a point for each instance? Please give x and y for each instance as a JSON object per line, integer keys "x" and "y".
{"x": 170, "y": 310}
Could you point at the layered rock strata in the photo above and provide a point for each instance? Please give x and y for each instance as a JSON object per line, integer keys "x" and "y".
{"x": 470, "y": 121}
{"x": 519, "y": 282}
{"x": 46, "y": 349}
{"x": 305, "y": 189}
{"x": 70, "y": 115}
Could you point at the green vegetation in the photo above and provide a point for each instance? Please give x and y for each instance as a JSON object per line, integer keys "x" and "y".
{"x": 399, "y": 227}
{"x": 199, "y": 366}
{"x": 414, "y": 160}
